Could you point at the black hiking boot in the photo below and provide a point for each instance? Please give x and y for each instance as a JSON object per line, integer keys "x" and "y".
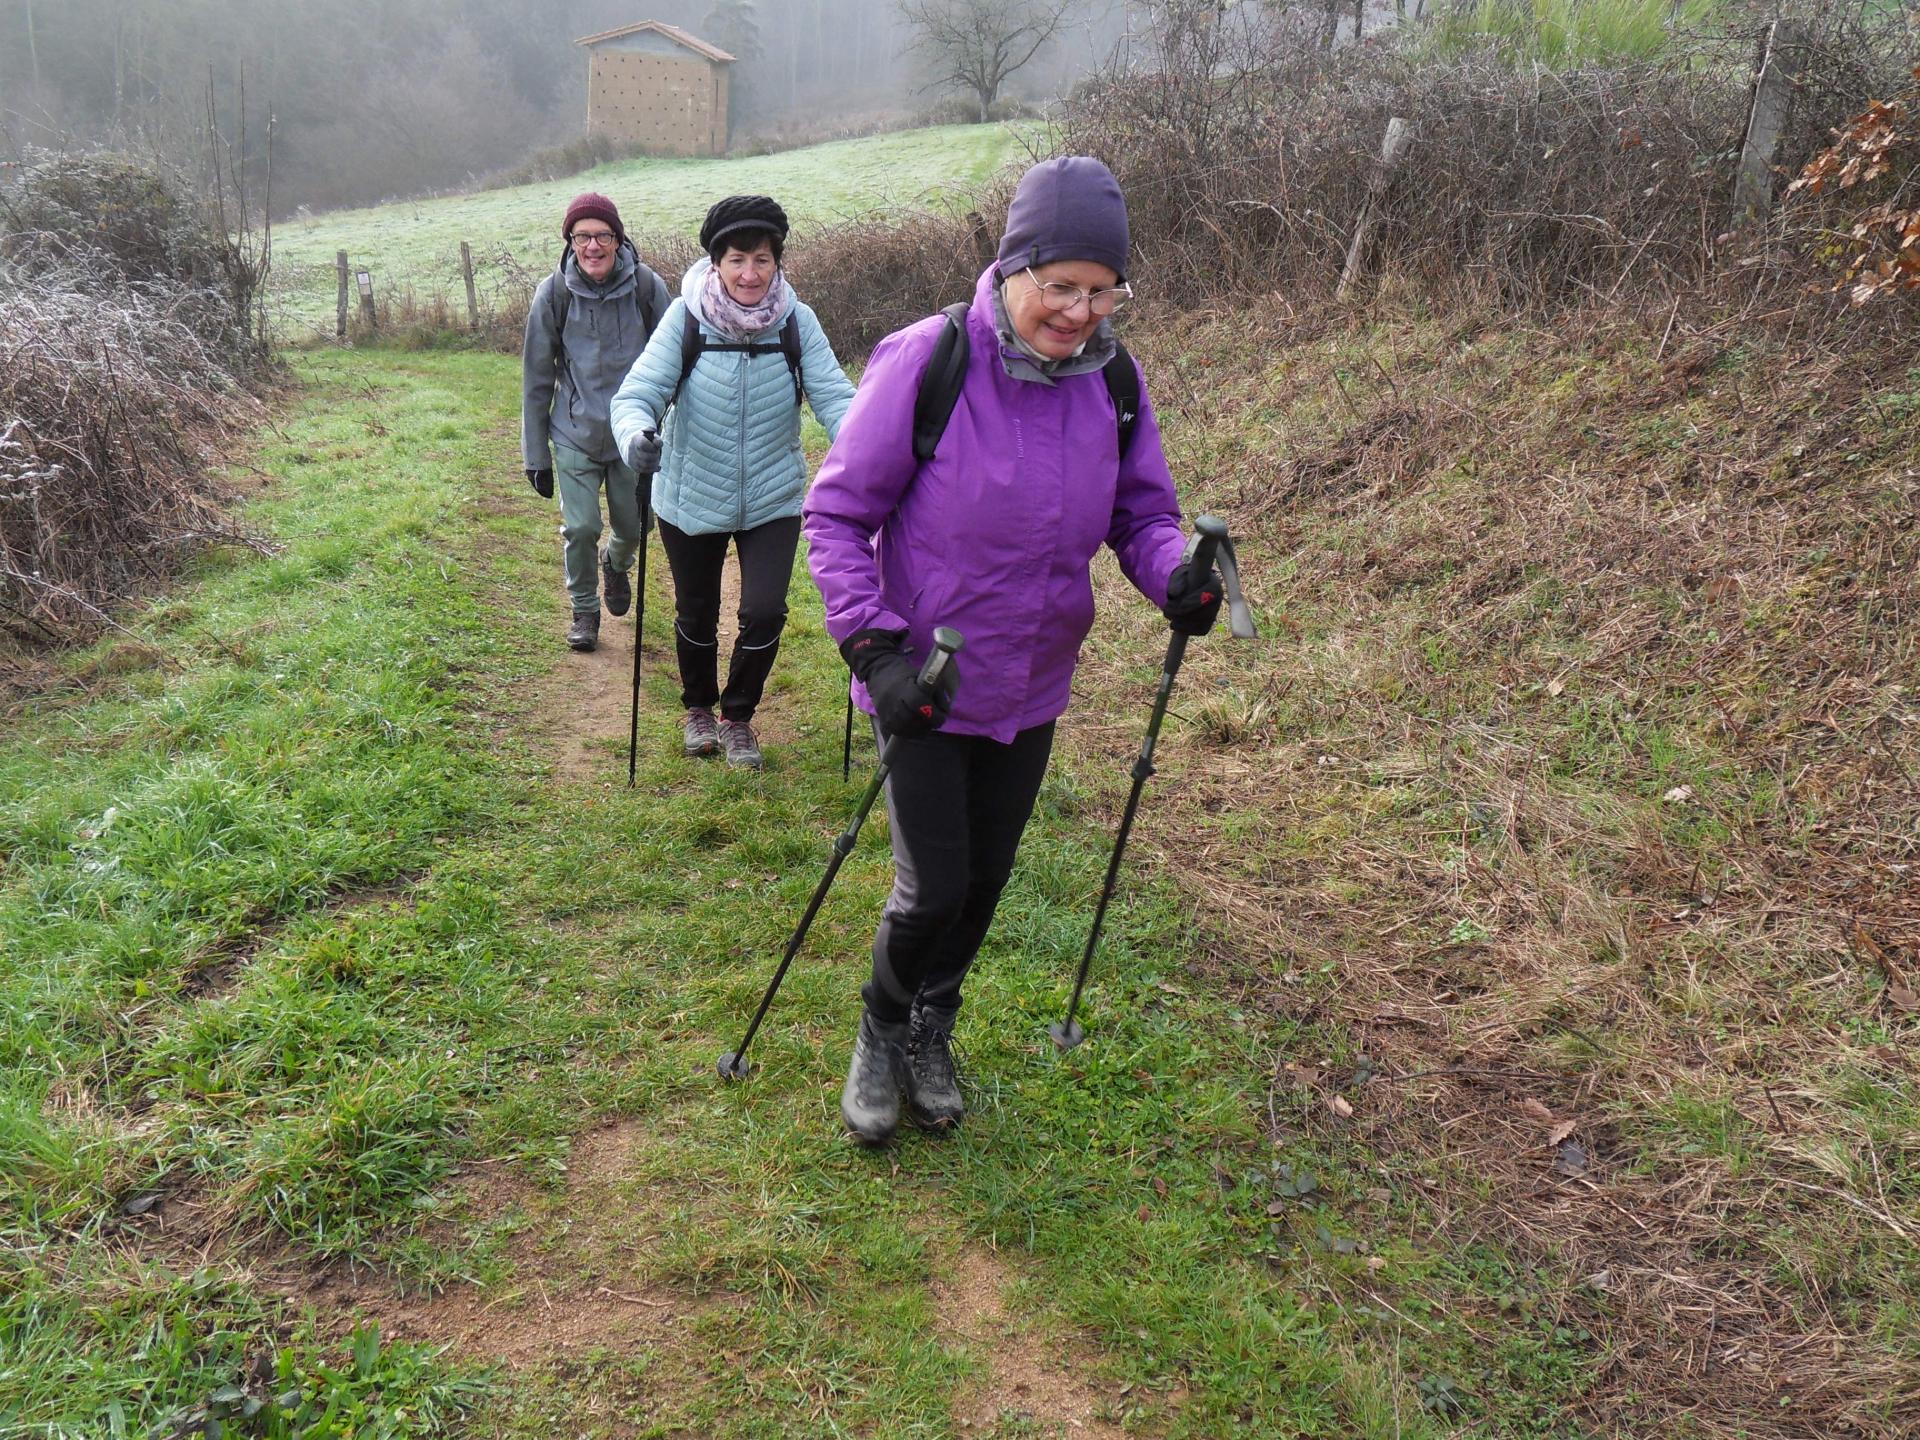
{"x": 618, "y": 588}
{"x": 870, "y": 1100}
{"x": 933, "y": 1089}
{"x": 584, "y": 633}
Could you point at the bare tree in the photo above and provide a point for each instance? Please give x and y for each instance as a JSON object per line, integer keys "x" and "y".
{"x": 976, "y": 44}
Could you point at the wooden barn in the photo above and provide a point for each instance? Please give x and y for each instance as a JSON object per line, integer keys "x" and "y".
{"x": 655, "y": 86}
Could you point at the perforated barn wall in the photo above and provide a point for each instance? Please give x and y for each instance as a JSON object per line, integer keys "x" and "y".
{"x": 668, "y": 105}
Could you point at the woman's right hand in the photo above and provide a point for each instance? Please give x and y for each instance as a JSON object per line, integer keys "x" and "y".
{"x": 643, "y": 452}
{"x": 542, "y": 483}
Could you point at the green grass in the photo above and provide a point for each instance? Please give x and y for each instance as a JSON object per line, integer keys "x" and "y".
{"x": 300, "y": 932}
{"x": 1564, "y": 34}
{"x": 417, "y": 242}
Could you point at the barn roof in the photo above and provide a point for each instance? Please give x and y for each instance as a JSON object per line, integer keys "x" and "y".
{"x": 660, "y": 27}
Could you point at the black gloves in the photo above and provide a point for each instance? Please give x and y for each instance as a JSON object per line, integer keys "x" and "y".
{"x": 542, "y": 482}
{"x": 1193, "y": 600}
{"x": 901, "y": 704}
{"x": 643, "y": 452}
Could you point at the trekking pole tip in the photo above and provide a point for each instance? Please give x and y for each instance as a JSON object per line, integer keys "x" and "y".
{"x": 734, "y": 1066}
{"x": 1067, "y": 1034}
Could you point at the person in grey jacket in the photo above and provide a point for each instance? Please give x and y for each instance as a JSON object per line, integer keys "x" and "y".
{"x": 733, "y": 357}
{"x": 587, "y": 322}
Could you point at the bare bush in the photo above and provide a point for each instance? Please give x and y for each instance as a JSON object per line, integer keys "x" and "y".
{"x": 128, "y": 340}
{"x": 109, "y": 404}
{"x": 1246, "y": 159}
{"x": 139, "y": 223}
{"x": 868, "y": 278}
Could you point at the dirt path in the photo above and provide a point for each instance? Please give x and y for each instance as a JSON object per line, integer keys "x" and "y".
{"x": 584, "y": 704}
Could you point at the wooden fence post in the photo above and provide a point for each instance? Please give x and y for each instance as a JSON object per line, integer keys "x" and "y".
{"x": 1772, "y": 94}
{"x": 1393, "y": 149}
{"x": 473, "y": 300}
{"x": 365, "y": 278}
{"x": 340, "y": 318}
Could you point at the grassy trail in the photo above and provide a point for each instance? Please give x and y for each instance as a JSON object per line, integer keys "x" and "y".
{"x": 360, "y": 1028}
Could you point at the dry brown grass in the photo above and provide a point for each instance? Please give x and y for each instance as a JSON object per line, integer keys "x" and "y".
{"x": 1575, "y": 787}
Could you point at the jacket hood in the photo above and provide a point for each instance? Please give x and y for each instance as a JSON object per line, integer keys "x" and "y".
{"x": 989, "y": 312}
{"x": 693, "y": 283}
{"x": 626, "y": 268}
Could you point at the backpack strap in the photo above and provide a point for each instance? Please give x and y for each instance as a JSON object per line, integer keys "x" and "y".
{"x": 1123, "y": 385}
{"x": 940, "y": 383}
{"x": 946, "y": 372}
{"x": 694, "y": 344}
{"x": 643, "y": 278}
{"x": 790, "y": 347}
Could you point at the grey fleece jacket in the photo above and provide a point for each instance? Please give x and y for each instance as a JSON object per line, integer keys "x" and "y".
{"x": 568, "y": 379}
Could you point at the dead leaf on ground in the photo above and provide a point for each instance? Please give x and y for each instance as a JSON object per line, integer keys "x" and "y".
{"x": 1561, "y": 1131}
{"x": 1534, "y": 1110}
{"x": 1341, "y": 1106}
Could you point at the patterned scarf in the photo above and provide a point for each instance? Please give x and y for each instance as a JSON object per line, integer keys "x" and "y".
{"x": 734, "y": 320}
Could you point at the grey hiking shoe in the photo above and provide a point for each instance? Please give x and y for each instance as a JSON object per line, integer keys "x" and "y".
{"x": 933, "y": 1089}
{"x": 870, "y": 1100}
{"x": 618, "y": 588}
{"x": 584, "y": 633}
{"x": 739, "y": 745}
{"x": 700, "y": 735}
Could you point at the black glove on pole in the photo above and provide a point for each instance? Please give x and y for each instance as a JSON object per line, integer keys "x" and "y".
{"x": 904, "y": 703}
{"x": 931, "y": 680}
{"x": 1209, "y": 535}
{"x": 639, "y": 635}
{"x": 542, "y": 483}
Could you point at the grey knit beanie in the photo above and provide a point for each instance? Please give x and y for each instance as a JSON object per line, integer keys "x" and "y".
{"x": 1067, "y": 208}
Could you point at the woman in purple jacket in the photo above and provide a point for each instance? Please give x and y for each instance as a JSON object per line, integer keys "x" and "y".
{"x": 992, "y": 536}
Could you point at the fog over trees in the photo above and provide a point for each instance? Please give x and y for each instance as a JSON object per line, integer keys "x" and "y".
{"x": 375, "y": 98}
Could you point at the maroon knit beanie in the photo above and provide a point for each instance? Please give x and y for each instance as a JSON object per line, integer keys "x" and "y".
{"x": 593, "y": 207}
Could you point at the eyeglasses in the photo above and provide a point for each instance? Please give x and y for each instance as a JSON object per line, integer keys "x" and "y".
{"x": 586, "y": 239}
{"x": 1057, "y": 295}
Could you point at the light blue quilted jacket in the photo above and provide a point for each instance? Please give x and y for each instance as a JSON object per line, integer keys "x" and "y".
{"x": 732, "y": 458}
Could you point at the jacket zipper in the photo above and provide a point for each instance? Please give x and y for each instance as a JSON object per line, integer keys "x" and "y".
{"x": 746, "y": 361}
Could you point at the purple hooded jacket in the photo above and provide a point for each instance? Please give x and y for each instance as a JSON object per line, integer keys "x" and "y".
{"x": 994, "y": 535}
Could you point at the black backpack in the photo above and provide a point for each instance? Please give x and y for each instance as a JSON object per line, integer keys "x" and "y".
{"x": 947, "y": 371}
{"x": 694, "y": 344}
{"x": 557, "y": 296}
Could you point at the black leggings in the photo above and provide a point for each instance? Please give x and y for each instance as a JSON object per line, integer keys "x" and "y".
{"x": 766, "y": 565}
{"x": 957, "y": 805}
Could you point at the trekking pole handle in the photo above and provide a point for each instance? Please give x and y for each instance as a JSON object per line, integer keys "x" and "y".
{"x": 947, "y": 642}
{"x": 1209, "y": 534}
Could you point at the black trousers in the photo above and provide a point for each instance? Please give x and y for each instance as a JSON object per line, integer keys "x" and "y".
{"x": 957, "y": 805}
{"x": 766, "y": 565}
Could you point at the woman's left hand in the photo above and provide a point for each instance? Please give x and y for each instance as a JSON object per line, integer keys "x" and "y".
{"x": 1193, "y": 600}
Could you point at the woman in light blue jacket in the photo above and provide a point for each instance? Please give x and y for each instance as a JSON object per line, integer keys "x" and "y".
{"x": 732, "y": 357}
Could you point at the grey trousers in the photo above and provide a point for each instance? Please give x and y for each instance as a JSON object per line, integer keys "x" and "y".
{"x": 579, "y": 482}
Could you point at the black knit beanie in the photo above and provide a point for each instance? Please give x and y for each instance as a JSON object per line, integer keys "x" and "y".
{"x": 743, "y": 212}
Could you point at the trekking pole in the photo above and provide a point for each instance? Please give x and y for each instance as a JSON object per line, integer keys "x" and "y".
{"x": 846, "y": 741}
{"x": 733, "y": 1064}
{"x": 1210, "y": 543}
{"x": 639, "y": 629}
